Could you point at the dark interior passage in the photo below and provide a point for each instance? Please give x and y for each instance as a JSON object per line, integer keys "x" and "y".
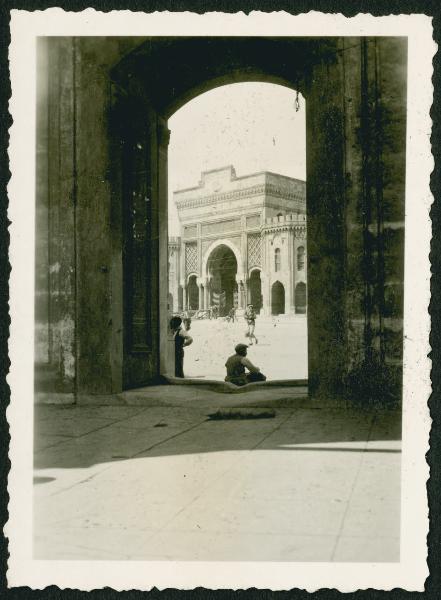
{"x": 255, "y": 290}
{"x": 277, "y": 299}
{"x": 193, "y": 293}
{"x": 222, "y": 267}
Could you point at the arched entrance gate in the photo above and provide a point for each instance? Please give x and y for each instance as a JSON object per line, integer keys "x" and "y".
{"x": 144, "y": 107}
{"x": 222, "y": 271}
{"x": 114, "y": 282}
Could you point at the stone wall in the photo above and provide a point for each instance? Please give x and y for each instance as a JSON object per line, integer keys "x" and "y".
{"x": 361, "y": 256}
{"x": 56, "y": 219}
{"x": 78, "y": 251}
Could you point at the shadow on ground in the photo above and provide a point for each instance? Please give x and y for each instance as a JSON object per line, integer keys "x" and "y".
{"x": 81, "y": 436}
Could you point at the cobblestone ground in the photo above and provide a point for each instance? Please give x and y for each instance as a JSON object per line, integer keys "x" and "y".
{"x": 281, "y": 353}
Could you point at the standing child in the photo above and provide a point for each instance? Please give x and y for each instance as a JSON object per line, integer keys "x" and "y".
{"x": 250, "y": 317}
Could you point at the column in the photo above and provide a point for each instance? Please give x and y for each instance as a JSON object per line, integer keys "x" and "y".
{"x": 240, "y": 299}
{"x": 201, "y": 296}
{"x": 294, "y": 267}
{"x": 243, "y": 247}
{"x": 266, "y": 277}
{"x": 182, "y": 263}
{"x": 199, "y": 242}
{"x": 289, "y": 300}
{"x": 207, "y": 294}
{"x": 184, "y": 298}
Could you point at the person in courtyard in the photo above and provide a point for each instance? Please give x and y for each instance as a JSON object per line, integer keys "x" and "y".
{"x": 236, "y": 365}
{"x": 250, "y": 317}
{"x": 182, "y": 338}
{"x": 232, "y": 315}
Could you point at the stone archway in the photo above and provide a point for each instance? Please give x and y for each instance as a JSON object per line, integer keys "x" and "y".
{"x": 222, "y": 271}
{"x": 221, "y": 242}
{"x": 277, "y": 298}
{"x": 124, "y": 334}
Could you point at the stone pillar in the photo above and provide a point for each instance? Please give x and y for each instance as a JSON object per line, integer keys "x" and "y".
{"x": 201, "y": 296}
{"x": 57, "y": 210}
{"x": 199, "y": 246}
{"x": 240, "y": 292}
{"x": 207, "y": 294}
{"x": 182, "y": 264}
{"x": 184, "y": 297}
{"x": 290, "y": 309}
{"x": 263, "y": 277}
{"x": 243, "y": 248}
{"x": 166, "y": 337}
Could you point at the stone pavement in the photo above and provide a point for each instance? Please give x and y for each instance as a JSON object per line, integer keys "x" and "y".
{"x": 151, "y": 477}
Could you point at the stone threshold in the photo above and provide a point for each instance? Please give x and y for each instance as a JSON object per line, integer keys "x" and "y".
{"x": 226, "y": 387}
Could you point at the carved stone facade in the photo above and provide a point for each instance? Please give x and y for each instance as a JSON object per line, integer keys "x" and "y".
{"x": 243, "y": 240}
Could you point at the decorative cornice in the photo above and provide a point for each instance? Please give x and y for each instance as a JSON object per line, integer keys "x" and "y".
{"x": 300, "y": 229}
{"x": 256, "y": 190}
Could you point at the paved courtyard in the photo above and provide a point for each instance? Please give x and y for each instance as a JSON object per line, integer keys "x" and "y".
{"x": 152, "y": 477}
{"x": 281, "y": 353}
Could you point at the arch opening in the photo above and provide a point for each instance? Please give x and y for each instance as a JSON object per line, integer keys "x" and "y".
{"x": 237, "y": 207}
{"x": 277, "y": 299}
{"x": 193, "y": 293}
{"x": 255, "y": 290}
{"x": 222, "y": 271}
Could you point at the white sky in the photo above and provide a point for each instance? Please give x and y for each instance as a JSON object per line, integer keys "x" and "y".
{"x": 253, "y": 126}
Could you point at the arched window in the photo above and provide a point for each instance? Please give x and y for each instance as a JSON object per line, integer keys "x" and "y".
{"x": 300, "y": 258}
{"x": 277, "y": 260}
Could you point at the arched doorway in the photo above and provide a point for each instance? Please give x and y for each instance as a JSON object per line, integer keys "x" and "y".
{"x": 300, "y": 298}
{"x": 323, "y": 73}
{"x": 255, "y": 290}
{"x": 277, "y": 299}
{"x": 193, "y": 293}
{"x": 222, "y": 269}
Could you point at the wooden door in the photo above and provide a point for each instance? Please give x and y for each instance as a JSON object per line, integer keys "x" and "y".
{"x": 139, "y": 186}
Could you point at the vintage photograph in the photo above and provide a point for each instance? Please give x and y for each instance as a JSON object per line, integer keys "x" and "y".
{"x": 133, "y": 266}
{"x": 220, "y": 233}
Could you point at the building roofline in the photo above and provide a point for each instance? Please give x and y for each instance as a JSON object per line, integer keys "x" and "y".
{"x": 198, "y": 187}
{"x": 231, "y": 167}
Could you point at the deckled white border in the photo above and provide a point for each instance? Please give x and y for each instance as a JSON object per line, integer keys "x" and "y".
{"x": 412, "y": 571}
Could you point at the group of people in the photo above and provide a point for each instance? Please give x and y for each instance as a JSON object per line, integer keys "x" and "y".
{"x": 240, "y": 370}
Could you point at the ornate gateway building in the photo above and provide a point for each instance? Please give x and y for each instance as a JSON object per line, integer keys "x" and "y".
{"x": 243, "y": 240}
